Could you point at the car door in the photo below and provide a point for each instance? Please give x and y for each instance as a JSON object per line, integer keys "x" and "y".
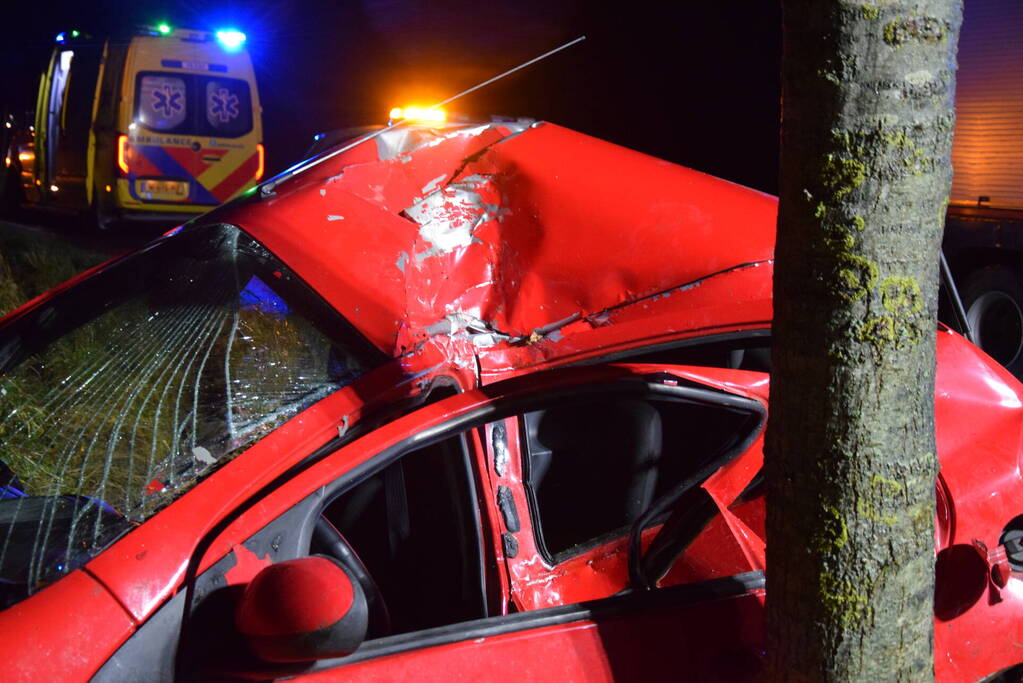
{"x": 413, "y": 502}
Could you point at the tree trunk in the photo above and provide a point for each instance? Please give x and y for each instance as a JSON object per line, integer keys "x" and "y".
{"x": 867, "y": 109}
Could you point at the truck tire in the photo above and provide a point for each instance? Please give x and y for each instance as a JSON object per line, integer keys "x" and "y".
{"x": 993, "y": 299}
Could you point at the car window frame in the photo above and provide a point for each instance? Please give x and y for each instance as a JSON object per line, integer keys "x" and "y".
{"x": 369, "y": 446}
{"x": 555, "y": 560}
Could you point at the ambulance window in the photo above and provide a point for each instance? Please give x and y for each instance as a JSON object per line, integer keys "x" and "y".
{"x": 228, "y": 107}
{"x": 162, "y": 104}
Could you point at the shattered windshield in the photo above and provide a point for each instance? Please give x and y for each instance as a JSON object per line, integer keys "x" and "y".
{"x": 123, "y": 392}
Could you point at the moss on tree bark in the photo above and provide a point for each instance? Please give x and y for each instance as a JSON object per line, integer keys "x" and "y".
{"x": 867, "y": 108}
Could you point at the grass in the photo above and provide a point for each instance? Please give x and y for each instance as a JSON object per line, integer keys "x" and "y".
{"x": 31, "y": 264}
{"x": 108, "y": 431}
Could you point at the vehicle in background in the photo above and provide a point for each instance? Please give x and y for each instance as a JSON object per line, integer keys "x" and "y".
{"x": 984, "y": 226}
{"x": 163, "y": 124}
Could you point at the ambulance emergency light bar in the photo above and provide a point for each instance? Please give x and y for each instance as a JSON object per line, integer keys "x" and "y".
{"x": 230, "y": 39}
{"x": 165, "y": 29}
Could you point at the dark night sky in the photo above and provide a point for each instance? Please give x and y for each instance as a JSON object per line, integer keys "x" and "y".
{"x": 693, "y": 83}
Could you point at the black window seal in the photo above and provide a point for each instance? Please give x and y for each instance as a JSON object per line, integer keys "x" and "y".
{"x": 637, "y": 575}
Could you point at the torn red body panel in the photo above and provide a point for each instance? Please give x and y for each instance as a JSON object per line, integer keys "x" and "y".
{"x": 512, "y": 235}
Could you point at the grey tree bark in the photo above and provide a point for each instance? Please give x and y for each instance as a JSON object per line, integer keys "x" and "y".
{"x": 867, "y": 109}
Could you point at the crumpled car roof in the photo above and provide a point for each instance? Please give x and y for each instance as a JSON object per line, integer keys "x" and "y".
{"x": 503, "y": 233}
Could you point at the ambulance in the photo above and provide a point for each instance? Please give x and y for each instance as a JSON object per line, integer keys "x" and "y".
{"x": 160, "y": 125}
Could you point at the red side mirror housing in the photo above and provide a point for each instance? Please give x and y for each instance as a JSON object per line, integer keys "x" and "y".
{"x": 302, "y": 609}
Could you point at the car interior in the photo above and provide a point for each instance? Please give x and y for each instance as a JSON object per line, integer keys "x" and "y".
{"x": 415, "y": 527}
{"x": 593, "y": 468}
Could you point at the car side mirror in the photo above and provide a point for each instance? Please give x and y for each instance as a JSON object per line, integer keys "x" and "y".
{"x": 302, "y": 609}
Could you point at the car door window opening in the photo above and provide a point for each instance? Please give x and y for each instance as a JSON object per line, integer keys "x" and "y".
{"x": 415, "y": 527}
{"x": 593, "y": 468}
{"x": 408, "y": 532}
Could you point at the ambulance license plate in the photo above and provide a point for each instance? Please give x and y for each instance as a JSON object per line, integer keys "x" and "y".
{"x": 163, "y": 189}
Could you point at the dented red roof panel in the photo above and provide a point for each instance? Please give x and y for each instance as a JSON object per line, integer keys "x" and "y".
{"x": 503, "y": 232}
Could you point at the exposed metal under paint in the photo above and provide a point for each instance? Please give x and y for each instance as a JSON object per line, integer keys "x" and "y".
{"x": 433, "y": 184}
{"x": 450, "y": 215}
{"x": 479, "y": 331}
{"x": 499, "y": 441}
{"x": 484, "y": 335}
{"x": 402, "y": 142}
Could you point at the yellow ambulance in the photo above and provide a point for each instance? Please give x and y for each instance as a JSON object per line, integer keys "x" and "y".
{"x": 162, "y": 124}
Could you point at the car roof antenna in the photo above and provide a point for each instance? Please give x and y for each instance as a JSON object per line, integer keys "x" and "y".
{"x": 267, "y": 188}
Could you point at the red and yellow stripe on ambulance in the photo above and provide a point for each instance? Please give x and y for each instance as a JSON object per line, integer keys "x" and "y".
{"x": 193, "y": 125}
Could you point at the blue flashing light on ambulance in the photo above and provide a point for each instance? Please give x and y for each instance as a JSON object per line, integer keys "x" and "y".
{"x": 162, "y": 124}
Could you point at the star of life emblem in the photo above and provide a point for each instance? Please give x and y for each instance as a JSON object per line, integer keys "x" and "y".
{"x": 223, "y": 105}
{"x": 167, "y": 101}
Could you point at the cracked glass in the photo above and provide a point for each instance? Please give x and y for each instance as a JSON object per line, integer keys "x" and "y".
{"x": 123, "y": 392}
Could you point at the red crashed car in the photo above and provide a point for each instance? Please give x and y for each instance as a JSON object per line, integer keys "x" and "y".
{"x": 329, "y": 431}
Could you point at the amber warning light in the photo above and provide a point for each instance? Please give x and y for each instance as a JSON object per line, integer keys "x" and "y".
{"x": 431, "y": 114}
